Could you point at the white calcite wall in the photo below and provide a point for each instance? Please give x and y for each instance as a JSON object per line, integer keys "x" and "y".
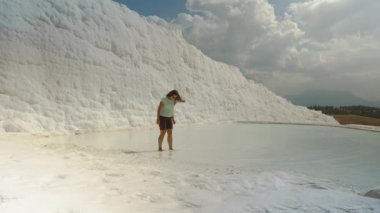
{"x": 74, "y": 65}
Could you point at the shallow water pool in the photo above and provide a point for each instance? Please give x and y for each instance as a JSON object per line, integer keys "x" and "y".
{"x": 345, "y": 156}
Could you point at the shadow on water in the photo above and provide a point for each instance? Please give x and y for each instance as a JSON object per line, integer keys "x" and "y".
{"x": 139, "y": 152}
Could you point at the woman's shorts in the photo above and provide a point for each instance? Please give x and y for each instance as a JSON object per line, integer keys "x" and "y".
{"x": 166, "y": 123}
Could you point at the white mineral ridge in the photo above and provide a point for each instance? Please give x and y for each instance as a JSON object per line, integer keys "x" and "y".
{"x": 74, "y": 65}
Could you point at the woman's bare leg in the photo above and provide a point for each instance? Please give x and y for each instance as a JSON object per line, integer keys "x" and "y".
{"x": 170, "y": 139}
{"x": 161, "y": 139}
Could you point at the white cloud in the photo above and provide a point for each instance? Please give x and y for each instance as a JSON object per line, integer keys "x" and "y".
{"x": 328, "y": 19}
{"x": 244, "y": 33}
{"x": 319, "y": 43}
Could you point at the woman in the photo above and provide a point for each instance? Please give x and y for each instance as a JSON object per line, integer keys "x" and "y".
{"x": 165, "y": 117}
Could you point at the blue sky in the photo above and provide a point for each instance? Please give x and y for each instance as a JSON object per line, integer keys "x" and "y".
{"x": 168, "y": 9}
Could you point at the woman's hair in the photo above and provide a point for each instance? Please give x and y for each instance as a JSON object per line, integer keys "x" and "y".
{"x": 175, "y": 92}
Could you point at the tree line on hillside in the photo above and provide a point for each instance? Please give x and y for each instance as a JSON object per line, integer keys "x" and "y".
{"x": 351, "y": 110}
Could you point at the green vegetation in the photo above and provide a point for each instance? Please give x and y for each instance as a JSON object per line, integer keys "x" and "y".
{"x": 366, "y": 111}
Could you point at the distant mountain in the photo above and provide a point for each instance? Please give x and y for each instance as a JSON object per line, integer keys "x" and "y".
{"x": 329, "y": 98}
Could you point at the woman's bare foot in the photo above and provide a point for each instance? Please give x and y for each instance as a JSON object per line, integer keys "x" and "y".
{"x": 160, "y": 149}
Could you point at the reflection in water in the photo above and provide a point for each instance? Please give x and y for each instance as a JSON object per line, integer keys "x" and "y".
{"x": 165, "y": 155}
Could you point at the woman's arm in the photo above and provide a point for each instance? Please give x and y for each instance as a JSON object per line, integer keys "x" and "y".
{"x": 158, "y": 112}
